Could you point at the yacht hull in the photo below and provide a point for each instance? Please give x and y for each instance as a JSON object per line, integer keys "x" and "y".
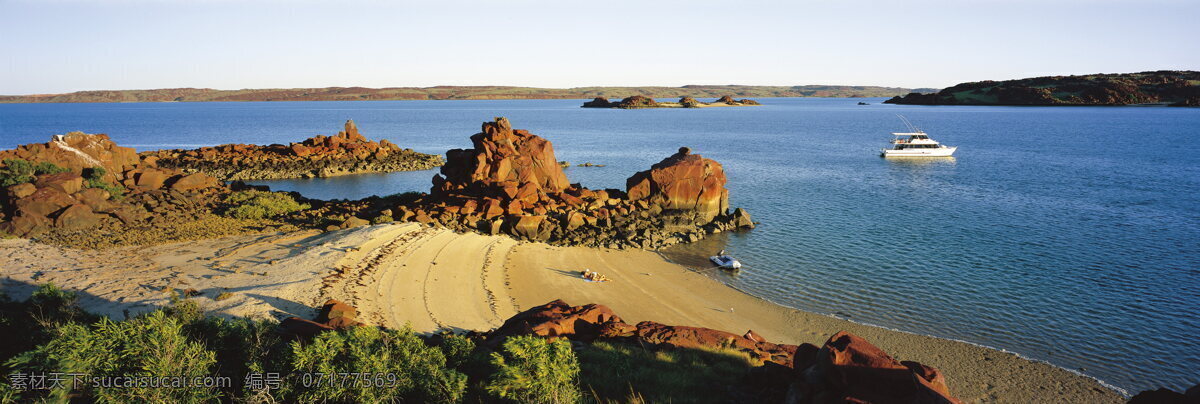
{"x": 938, "y": 152}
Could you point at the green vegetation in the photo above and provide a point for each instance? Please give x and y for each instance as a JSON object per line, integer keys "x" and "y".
{"x": 414, "y": 370}
{"x": 261, "y": 205}
{"x": 535, "y": 370}
{"x": 18, "y": 171}
{"x": 94, "y": 178}
{"x": 49, "y": 333}
{"x": 624, "y": 373}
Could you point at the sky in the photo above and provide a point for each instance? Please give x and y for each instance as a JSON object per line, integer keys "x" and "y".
{"x": 56, "y": 46}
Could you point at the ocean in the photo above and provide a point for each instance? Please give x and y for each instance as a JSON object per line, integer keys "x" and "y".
{"x": 1065, "y": 234}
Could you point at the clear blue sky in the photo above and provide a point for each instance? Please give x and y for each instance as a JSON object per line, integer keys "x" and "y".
{"x": 61, "y": 45}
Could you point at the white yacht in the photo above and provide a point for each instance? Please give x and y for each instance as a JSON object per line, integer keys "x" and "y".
{"x": 916, "y": 143}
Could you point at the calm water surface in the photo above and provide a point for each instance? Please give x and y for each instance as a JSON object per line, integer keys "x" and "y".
{"x": 1070, "y": 235}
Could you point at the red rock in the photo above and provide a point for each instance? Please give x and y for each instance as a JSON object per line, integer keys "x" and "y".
{"x": 850, "y": 368}
{"x": 43, "y": 202}
{"x": 528, "y": 227}
{"x": 193, "y": 182}
{"x": 21, "y": 190}
{"x": 335, "y": 309}
{"x": 683, "y": 181}
{"x": 502, "y": 157}
{"x": 67, "y": 182}
{"x": 26, "y": 225}
{"x": 558, "y": 319}
{"x": 76, "y": 217}
{"x": 649, "y": 332}
{"x": 76, "y": 151}
{"x": 301, "y": 150}
{"x": 151, "y": 178}
{"x": 95, "y": 197}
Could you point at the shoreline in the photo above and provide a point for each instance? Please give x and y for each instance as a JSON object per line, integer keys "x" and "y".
{"x": 434, "y": 279}
{"x": 1118, "y": 390}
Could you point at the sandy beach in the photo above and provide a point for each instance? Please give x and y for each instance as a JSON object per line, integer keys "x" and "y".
{"x": 437, "y": 279}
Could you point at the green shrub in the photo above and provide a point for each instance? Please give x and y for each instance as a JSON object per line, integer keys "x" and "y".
{"x": 15, "y": 171}
{"x": 94, "y": 178}
{"x": 150, "y": 346}
{"x": 621, "y": 372}
{"x": 18, "y": 171}
{"x": 261, "y": 205}
{"x": 44, "y": 168}
{"x": 535, "y": 370}
{"x": 420, "y": 371}
{"x": 457, "y": 350}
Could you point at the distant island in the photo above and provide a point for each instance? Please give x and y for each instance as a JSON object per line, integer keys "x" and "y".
{"x": 1166, "y": 87}
{"x": 454, "y": 93}
{"x": 639, "y": 101}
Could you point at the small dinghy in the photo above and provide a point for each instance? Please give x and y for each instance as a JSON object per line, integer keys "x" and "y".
{"x": 725, "y": 261}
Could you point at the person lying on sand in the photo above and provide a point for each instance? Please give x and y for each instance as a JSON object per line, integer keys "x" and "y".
{"x": 594, "y": 276}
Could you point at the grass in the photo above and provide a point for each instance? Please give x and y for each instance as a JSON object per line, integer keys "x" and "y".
{"x": 619, "y": 372}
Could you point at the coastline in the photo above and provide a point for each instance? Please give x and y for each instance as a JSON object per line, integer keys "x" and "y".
{"x": 434, "y": 279}
{"x": 1106, "y": 385}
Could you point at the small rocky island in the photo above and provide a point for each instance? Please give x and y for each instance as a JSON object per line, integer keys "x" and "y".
{"x": 347, "y": 152}
{"x": 1172, "y": 88}
{"x": 639, "y": 101}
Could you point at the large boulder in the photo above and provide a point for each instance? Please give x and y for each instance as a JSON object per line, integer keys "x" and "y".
{"x": 684, "y": 182}
{"x": 193, "y": 182}
{"x": 67, "y": 182}
{"x": 43, "y": 202}
{"x": 558, "y": 319}
{"x": 76, "y": 151}
{"x": 849, "y": 369}
{"x": 501, "y": 157}
{"x": 76, "y": 217}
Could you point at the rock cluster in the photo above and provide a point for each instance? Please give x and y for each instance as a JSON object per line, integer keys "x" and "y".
{"x": 66, "y": 201}
{"x": 632, "y": 102}
{"x": 347, "y": 152}
{"x": 511, "y": 183}
{"x": 588, "y": 323}
{"x": 848, "y": 369}
{"x": 334, "y": 315}
{"x": 728, "y": 100}
{"x": 689, "y": 102}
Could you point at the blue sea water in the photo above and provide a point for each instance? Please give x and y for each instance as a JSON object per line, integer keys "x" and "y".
{"x": 1065, "y": 234}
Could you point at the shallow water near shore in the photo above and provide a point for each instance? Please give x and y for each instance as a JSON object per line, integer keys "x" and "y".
{"x": 1065, "y": 234}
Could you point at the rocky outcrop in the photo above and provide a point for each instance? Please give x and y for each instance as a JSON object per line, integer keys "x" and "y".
{"x": 120, "y": 188}
{"x": 598, "y": 102}
{"x": 639, "y": 101}
{"x": 590, "y": 322}
{"x": 1177, "y": 88}
{"x": 849, "y": 369}
{"x": 77, "y": 151}
{"x": 347, "y": 152}
{"x": 504, "y": 161}
{"x": 683, "y": 183}
{"x": 510, "y": 183}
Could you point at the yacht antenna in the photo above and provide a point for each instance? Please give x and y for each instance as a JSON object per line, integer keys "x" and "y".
{"x": 911, "y": 127}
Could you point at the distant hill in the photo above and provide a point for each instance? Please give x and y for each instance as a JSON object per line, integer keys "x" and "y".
{"x": 1177, "y": 88}
{"x": 454, "y": 93}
